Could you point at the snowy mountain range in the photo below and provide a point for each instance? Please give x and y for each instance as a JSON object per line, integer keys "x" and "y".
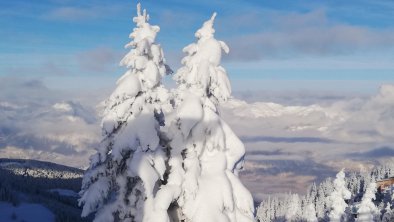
{"x": 354, "y": 133}
{"x": 59, "y": 131}
{"x": 74, "y": 112}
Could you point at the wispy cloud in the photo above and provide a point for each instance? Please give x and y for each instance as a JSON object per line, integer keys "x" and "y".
{"x": 100, "y": 59}
{"x": 35, "y": 119}
{"x": 285, "y": 144}
{"x": 305, "y": 143}
{"x": 312, "y": 33}
{"x": 277, "y": 139}
{"x": 97, "y": 60}
{"x": 41, "y": 68}
{"x": 74, "y": 13}
{"x": 381, "y": 152}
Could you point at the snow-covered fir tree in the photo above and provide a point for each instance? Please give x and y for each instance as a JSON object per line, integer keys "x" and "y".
{"x": 338, "y": 197}
{"x": 294, "y": 208}
{"x": 368, "y": 210}
{"x": 206, "y": 155}
{"x": 309, "y": 213}
{"x": 320, "y": 201}
{"x": 129, "y": 165}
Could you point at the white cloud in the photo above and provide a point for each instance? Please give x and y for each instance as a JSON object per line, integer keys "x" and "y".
{"x": 100, "y": 59}
{"x": 298, "y": 34}
{"x": 74, "y": 13}
{"x": 286, "y": 143}
{"x": 31, "y": 122}
{"x": 345, "y": 120}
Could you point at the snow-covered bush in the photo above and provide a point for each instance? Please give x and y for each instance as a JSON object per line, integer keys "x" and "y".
{"x": 129, "y": 165}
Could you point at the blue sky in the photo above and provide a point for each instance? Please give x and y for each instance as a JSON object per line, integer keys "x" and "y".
{"x": 273, "y": 44}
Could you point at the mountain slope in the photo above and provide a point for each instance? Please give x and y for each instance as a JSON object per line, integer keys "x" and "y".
{"x": 26, "y": 182}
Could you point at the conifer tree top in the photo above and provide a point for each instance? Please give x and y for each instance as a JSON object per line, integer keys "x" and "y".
{"x": 141, "y": 18}
{"x": 143, "y": 31}
{"x": 207, "y": 30}
{"x": 202, "y": 72}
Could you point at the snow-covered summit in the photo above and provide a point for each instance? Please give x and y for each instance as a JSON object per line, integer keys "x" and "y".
{"x": 74, "y": 110}
{"x": 269, "y": 109}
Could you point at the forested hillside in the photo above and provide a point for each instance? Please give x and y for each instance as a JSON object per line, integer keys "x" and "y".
{"x": 51, "y": 185}
{"x": 354, "y": 197}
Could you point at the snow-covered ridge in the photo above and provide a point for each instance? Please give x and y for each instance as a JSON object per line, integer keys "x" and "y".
{"x": 356, "y": 119}
{"x": 74, "y": 110}
{"x": 290, "y": 118}
{"x": 268, "y": 109}
{"x": 39, "y": 169}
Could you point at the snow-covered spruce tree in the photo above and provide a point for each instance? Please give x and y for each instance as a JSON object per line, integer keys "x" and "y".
{"x": 266, "y": 210}
{"x": 206, "y": 155}
{"x": 367, "y": 210}
{"x": 293, "y": 208}
{"x": 124, "y": 174}
{"x": 310, "y": 213}
{"x": 337, "y": 198}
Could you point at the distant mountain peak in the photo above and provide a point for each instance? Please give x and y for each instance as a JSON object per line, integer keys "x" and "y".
{"x": 75, "y": 110}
